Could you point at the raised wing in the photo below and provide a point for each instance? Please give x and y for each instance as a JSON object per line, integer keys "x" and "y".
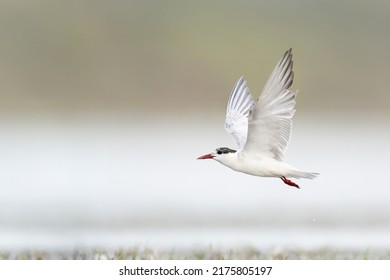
{"x": 270, "y": 121}
{"x": 239, "y": 106}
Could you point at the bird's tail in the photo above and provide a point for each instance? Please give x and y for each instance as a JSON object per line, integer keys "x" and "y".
{"x": 301, "y": 174}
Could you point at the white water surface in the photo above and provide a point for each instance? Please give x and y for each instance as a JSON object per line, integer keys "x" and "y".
{"x": 125, "y": 182}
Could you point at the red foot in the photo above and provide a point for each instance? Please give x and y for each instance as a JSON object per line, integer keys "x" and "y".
{"x": 289, "y": 182}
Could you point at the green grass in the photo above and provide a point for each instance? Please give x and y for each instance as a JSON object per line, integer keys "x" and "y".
{"x": 202, "y": 254}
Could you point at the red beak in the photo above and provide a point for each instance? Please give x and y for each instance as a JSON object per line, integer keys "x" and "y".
{"x": 206, "y": 156}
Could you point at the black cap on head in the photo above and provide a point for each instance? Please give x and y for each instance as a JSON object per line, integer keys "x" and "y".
{"x": 225, "y": 150}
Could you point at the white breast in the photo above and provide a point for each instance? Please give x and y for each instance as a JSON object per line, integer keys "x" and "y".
{"x": 258, "y": 166}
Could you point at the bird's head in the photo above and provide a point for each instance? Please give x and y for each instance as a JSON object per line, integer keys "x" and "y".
{"x": 219, "y": 154}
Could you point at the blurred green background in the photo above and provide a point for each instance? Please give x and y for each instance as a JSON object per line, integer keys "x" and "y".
{"x": 64, "y": 57}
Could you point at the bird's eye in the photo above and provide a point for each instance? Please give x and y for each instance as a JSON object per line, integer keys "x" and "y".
{"x": 219, "y": 152}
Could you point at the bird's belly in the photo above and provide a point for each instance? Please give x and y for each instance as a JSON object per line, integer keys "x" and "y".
{"x": 263, "y": 167}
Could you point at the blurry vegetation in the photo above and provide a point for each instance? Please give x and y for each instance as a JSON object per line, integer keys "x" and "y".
{"x": 203, "y": 254}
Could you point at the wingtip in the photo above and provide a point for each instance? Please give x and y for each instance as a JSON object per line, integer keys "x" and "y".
{"x": 241, "y": 80}
{"x": 288, "y": 53}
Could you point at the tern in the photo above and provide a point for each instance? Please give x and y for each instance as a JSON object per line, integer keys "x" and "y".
{"x": 262, "y": 128}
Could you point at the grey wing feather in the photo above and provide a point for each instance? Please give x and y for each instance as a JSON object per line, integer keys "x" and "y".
{"x": 238, "y": 109}
{"x": 270, "y": 122}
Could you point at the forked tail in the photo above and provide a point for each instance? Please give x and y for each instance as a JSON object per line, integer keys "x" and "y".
{"x": 301, "y": 174}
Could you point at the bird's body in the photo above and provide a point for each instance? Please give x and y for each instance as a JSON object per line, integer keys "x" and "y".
{"x": 261, "y": 166}
{"x": 262, "y": 129}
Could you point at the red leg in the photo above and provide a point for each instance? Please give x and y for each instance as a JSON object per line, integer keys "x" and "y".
{"x": 289, "y": 182}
